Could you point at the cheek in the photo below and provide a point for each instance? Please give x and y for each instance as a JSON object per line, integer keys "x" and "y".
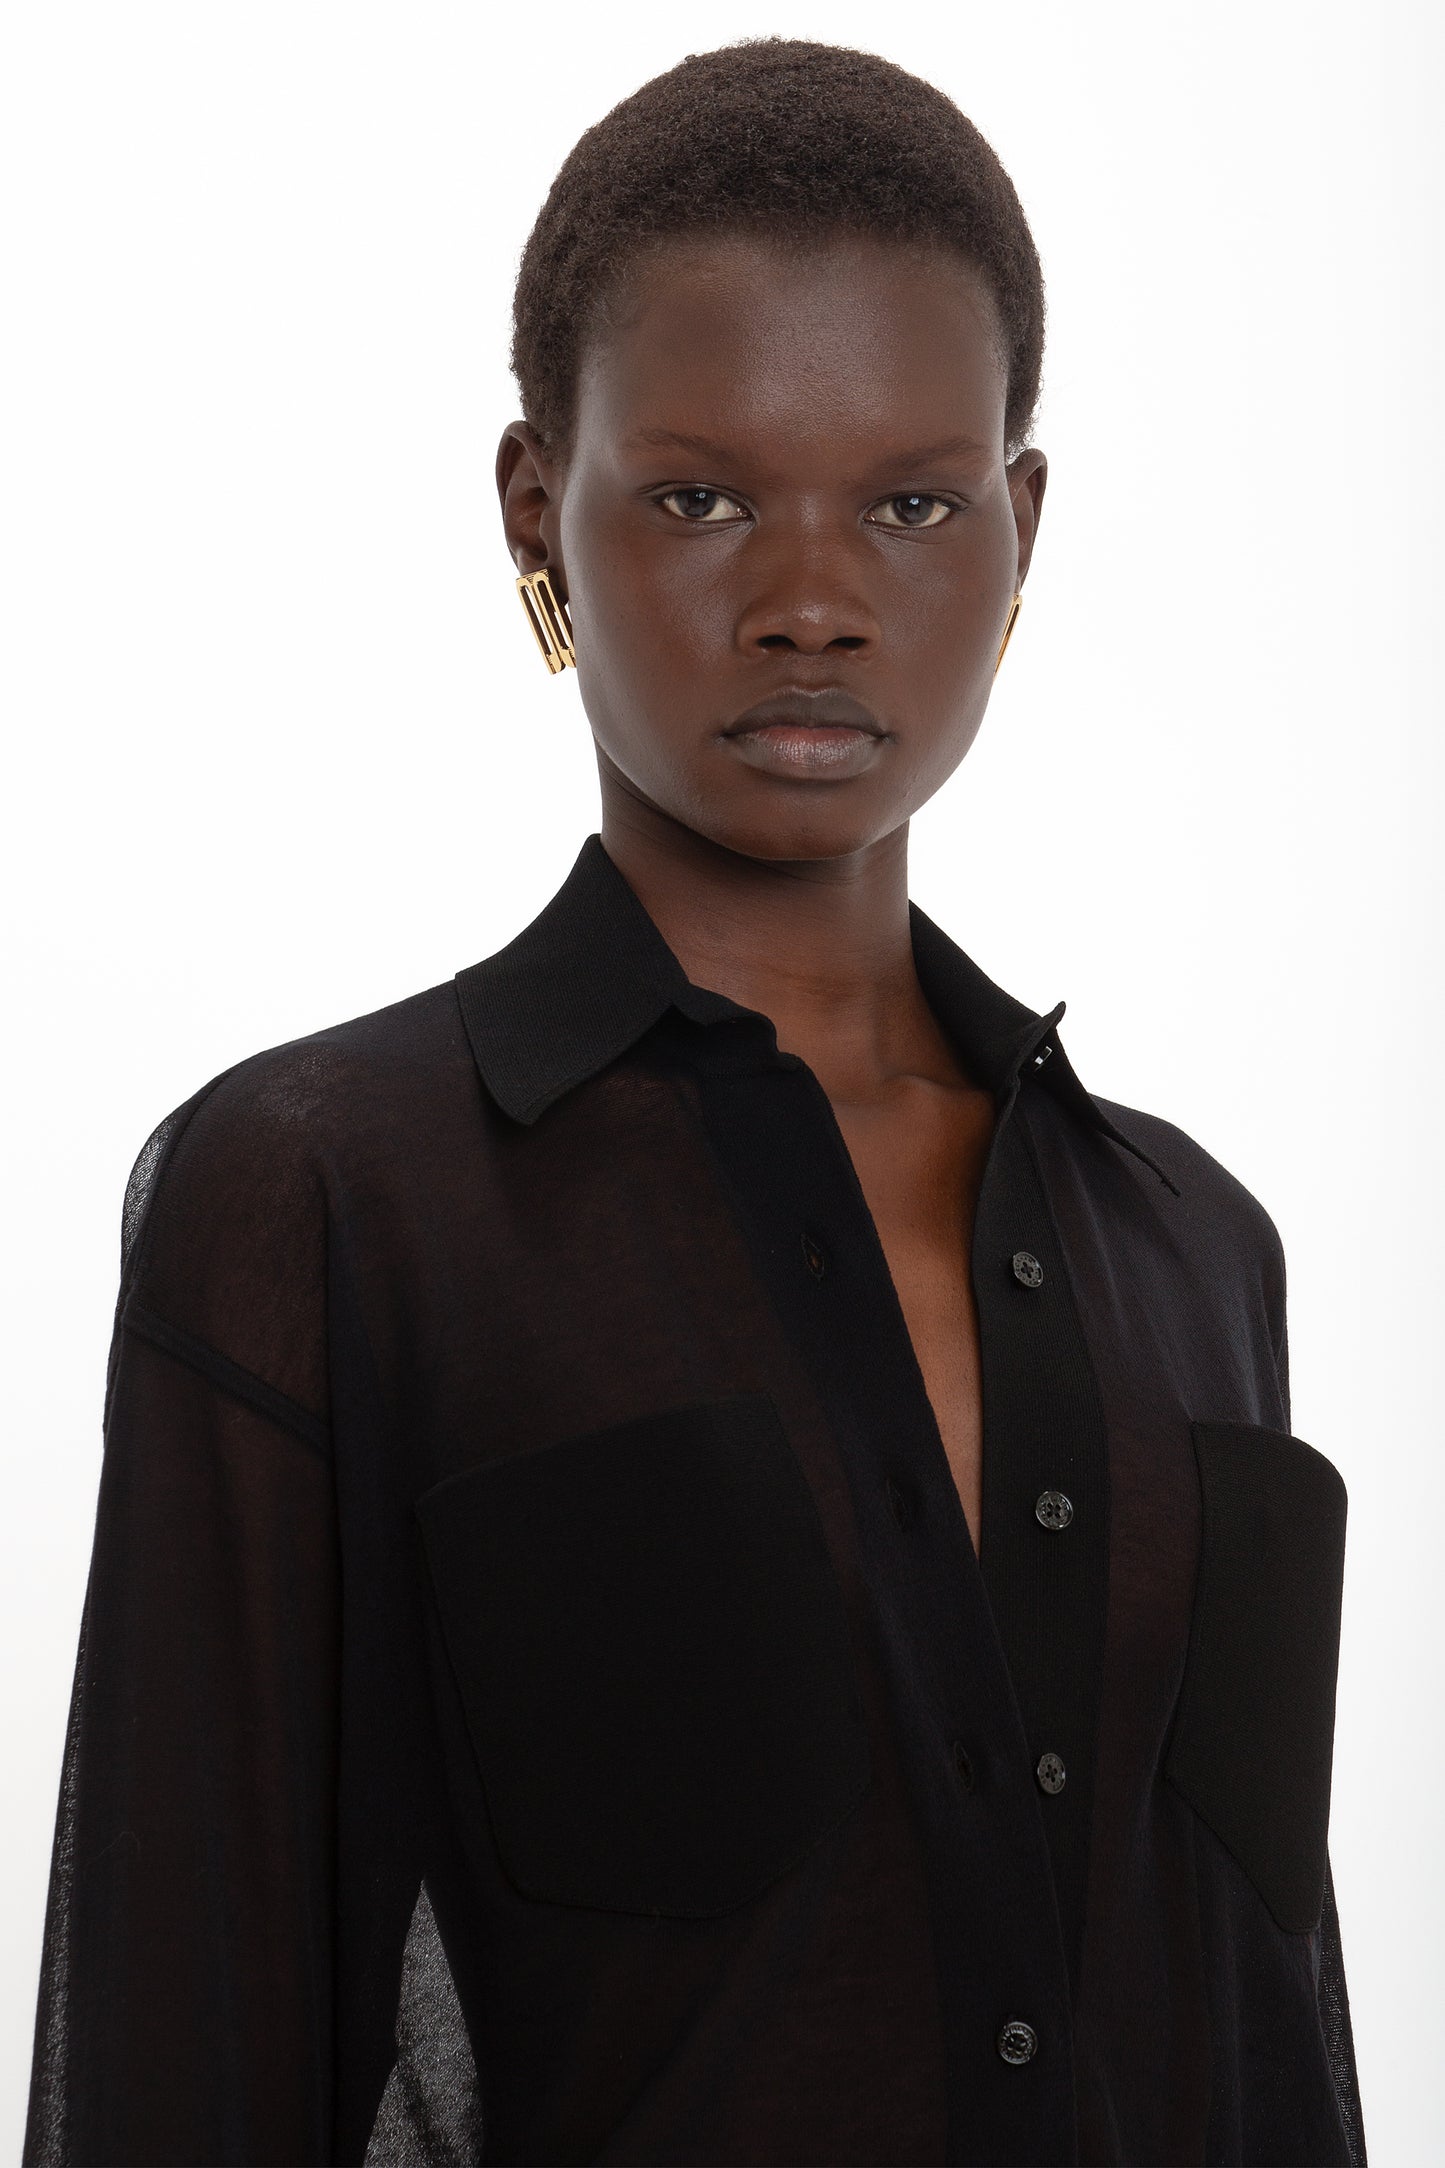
{"x": 678, "y": 599}
{"x": 936, "y": 620}
{"x": 648, "y": 612}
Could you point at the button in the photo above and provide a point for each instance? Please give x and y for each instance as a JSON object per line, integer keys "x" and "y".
{"x": 817, "y": 1263}
{"x": 1051, "y": 1773}
{"x": 1027, "y": 1269}
{"x": 895, "y": 1499}
{"x": 1017, "y": 2042}
{"x": 963, "y": 1763}
{"x": 1052, "y": 1509}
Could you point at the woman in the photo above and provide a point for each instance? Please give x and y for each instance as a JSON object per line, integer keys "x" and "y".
{"x": 700, "y": 1557}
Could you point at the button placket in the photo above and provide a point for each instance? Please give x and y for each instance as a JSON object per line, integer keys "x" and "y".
{"x": 1044, "y": 1426}
{"x": 1016, "y": 2040}
{"x": 981, "y": 1756}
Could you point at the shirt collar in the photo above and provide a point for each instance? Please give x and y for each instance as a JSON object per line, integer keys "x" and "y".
{"x": 592, "y": 973}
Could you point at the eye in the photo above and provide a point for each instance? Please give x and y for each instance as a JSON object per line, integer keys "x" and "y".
{"x": 911, "y": 511}
{"x": 701, "y": 506}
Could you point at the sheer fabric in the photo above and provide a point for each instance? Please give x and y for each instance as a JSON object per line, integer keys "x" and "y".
{"x": 537, "y": 1698}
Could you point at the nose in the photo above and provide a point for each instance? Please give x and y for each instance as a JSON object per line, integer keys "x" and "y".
{"x": 805, "y": 595}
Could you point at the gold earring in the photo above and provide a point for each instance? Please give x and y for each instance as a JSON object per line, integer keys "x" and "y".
{"x": 1013, "y": 618}
{"x": 548, "y": 618}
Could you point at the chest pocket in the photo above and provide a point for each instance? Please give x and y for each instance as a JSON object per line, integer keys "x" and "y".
{"x": 1253, "y": 1737}
{"x": 651, "y": 1648}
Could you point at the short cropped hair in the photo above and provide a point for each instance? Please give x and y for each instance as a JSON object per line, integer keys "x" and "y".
{"x": 776, "y": 137}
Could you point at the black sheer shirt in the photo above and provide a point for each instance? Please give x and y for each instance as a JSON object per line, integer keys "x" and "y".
{"x": 538, "y": 1698}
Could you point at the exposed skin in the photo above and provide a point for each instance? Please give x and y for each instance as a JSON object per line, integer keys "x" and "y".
{"x": 811, "y": 396}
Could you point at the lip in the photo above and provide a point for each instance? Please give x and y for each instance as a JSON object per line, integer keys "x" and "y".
{"x": 826, "y": 708}
{"x": 818, "y": 736}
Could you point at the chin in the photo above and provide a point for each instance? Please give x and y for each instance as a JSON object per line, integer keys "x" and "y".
{"x": 793, "y": 832}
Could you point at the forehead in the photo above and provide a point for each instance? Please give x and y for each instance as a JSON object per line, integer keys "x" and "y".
{"x": 850, "y": 340}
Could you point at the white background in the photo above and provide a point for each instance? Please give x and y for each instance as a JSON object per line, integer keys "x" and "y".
{"x": 279, "y": 749}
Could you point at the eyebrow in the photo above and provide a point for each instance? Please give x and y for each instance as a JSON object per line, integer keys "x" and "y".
{"x": 920, "y": 455}
{"x": 956, "y": 447}
{"x": 679, "y": 440}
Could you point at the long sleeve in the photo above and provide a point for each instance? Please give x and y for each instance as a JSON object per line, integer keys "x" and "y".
{"x": 1329, "y": 1963}
{"x": 185, "y": 2010}
{"x": 1335, "y": 2020}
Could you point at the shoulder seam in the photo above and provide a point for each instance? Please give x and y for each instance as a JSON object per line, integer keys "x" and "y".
{"x": 231, "y": 1377}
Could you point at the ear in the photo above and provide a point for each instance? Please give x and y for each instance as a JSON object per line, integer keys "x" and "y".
{"x": 528, "y": 484}
{"x": 1026, "y": 479}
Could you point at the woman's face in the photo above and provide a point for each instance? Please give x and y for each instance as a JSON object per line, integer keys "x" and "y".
{"x": 786, "y": 496}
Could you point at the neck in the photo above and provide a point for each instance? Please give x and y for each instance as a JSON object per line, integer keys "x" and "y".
{"x": 820, "y": 946}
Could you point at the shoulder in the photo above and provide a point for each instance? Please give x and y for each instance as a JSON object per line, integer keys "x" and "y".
{"x": 1186, "y": 1158}
{"x": 259, "y": 1152}
{"x": 1212, "y": 1197}
{"x": 302, "y": 1097}
{"x": 312, "y": 1086}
